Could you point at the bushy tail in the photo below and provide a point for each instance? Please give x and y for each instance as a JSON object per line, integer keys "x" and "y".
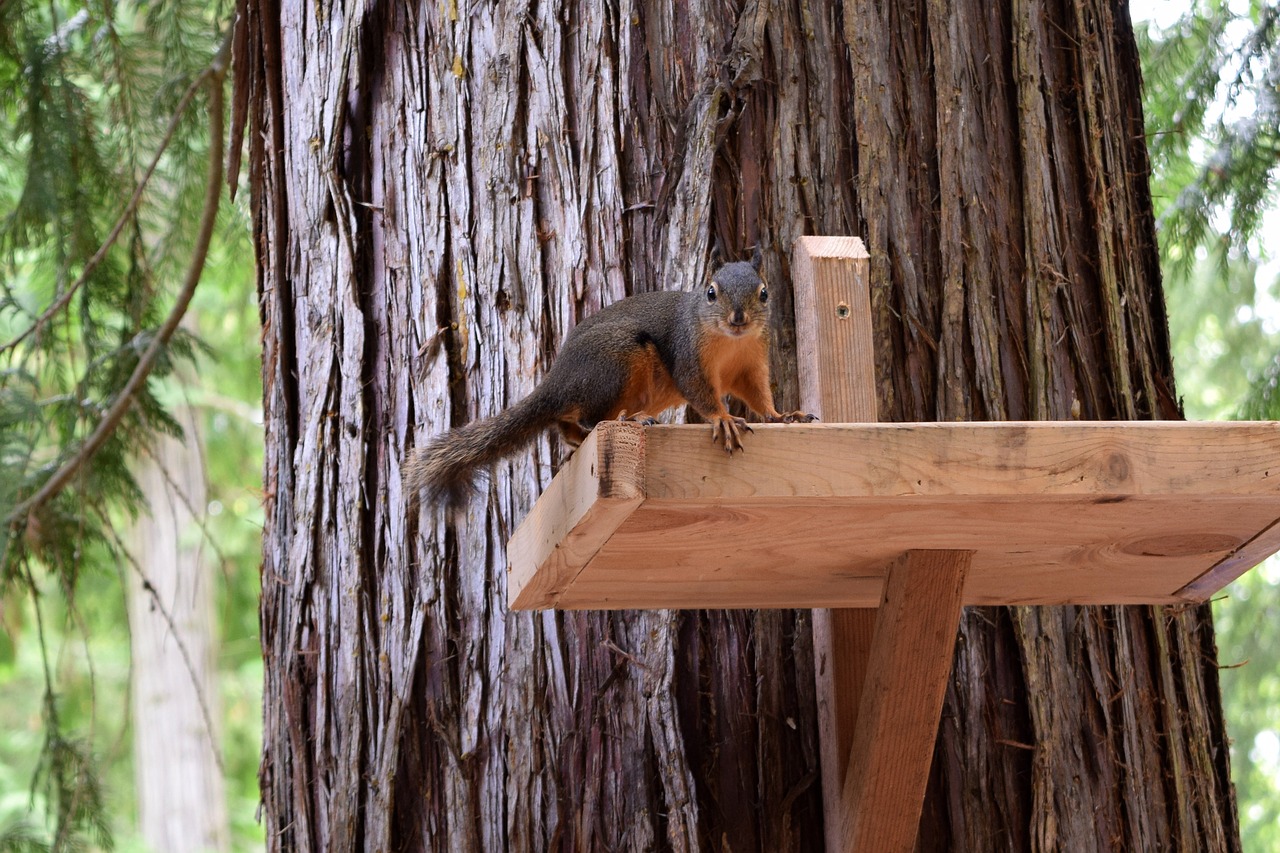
{"x": 445, "y": 470}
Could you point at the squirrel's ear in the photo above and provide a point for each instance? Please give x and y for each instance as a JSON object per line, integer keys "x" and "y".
{"x": 756, "y": 259}
{"x": 717, "y": 259}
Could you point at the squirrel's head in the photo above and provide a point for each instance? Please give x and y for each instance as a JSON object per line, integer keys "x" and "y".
{"x": 737, "y": 299}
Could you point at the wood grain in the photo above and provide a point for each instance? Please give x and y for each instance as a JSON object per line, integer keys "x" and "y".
{"x": 907, "y": 672}
{"x": 1244, "y": 558}
{"x": 1100, "y": 459}
{"x": 599, "y": 487}
{"x": 835, "y": 364}
{"x": 841, "y": 645}
{"x": 835, "y": 353}
{"x": 805, "y": 552}
{"x": 1083, "y": 513}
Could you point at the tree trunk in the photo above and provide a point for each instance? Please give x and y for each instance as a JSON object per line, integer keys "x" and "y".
{"x": 440, "y": 192}
{"x": 182, "y": 803}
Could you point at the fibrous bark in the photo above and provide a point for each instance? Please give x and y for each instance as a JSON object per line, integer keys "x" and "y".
{"x": 442, "y": 191}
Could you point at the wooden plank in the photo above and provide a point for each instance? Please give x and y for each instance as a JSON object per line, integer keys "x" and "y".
{"x": 835, "y": 351}
{"x": 841, "y": 646}
{"x": 910, "y": 660}
{"x": 1234, "y": 565}
{"x": 812, "y": 515}
{"x": 835, "y": 354}
{"x": 1009, "y": 459}
{"x": 595, "y": 492}
{"x": 801, "y": 552}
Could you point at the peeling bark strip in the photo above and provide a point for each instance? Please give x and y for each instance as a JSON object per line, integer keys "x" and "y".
{"x": 442, "y": 191}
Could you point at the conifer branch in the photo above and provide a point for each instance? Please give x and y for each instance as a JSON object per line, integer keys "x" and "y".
{"x": 130, "y": 209}
{"x": 215, "y": 75}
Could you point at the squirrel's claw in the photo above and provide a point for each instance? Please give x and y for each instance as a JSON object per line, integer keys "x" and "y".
{"x": 796, "y": 417}
{"x": 727, "y": 430}
{"x": 643, "y": 418}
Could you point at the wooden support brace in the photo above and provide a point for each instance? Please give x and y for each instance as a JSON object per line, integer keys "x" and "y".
{"x": 881, "y": 675}
{"x": 841, "y": 644}
{"x": 906, "y": 681}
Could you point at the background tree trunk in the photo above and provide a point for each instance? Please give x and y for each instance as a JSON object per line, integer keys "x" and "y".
{"x": 442, "y": 191}
{"x": 182, "y": 804}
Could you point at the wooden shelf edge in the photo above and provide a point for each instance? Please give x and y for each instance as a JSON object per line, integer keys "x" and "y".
{"x": 1099, "y": 459}
{"x": 594, "y": 492}
{"x": 1236, "y": 564}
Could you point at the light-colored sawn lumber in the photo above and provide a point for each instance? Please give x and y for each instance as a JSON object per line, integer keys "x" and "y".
{"x": 812, "y": 515}
{"x": 835, "y": 351}
{"x": 910, "y": 659}
{"x": 835, "y": 360}
{"x": 599, "y": 487}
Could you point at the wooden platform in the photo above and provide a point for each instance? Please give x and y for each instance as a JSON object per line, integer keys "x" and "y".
{"x": 814, "y": 515}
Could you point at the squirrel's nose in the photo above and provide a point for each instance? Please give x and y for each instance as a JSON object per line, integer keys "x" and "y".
{"x": 738, "y": 318}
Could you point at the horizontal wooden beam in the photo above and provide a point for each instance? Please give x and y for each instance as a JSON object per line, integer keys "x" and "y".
{"x": 813, "y": 515}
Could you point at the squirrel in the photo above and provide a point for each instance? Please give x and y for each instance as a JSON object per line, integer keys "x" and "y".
{"x": 630, "y": 361}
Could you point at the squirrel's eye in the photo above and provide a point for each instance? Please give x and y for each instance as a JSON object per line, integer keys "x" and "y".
{"x": 764, "y": 293}
{"x": 711, "y": 293}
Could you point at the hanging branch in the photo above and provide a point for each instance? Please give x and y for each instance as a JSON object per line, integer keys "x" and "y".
{"x": 215, "y": 75}
{"x": 62, "y": 301}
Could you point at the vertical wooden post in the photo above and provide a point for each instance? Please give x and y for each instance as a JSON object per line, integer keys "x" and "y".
{"x": 881, "y": 675}
{"x": 836, "y": 355}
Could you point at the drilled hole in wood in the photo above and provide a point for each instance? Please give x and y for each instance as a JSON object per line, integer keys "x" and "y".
{"x": 842, "y": 311}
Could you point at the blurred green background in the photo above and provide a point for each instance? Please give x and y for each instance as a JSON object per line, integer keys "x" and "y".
{"x": 86, "y": 98}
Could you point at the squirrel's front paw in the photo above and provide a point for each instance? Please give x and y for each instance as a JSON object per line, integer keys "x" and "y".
{"x": 639, "y": 417}
{"x": 796, "y": 417}
{"x": 727, "y": 430}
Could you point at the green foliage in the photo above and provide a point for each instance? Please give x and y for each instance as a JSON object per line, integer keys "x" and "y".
{"x": 1262, "y": 400}
{"x": 1247, "y": 620}
{"x": 1221, "y": 342}
{"x": 1212, "y": 104}
{"x": 1213, "y": 115}
{"x": 87, "y": 277}
{"x": 229, "y": 400}
{"x": 21, "y": 837}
